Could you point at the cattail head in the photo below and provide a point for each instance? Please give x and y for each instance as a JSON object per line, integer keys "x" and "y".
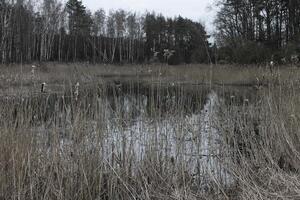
{"x": 257, "y": 80}
{"x": 43, "y": 87}
{"x": 76, "y": 93}
{"x": 33, "y": 67}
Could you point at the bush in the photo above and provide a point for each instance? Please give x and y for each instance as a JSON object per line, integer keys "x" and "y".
{"x": 291, "y": 49}
{"x": 176, "y": 59}
{"x": 251, "y": 52}
{"x": 199, "y": 56}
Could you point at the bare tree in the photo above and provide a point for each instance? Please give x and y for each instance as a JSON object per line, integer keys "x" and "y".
{"x": 98, "y": 30}
{"x": 52, "y": 13}
{"x": 132, "y": 29}
{"x": 120, "y": 17}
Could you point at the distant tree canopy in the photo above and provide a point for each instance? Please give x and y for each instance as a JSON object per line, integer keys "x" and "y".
{"x": 186, "y": 38}
{"x": 251, "y": 31}
{"x": 80, "y": 20}
{"x": 52, "y": 31}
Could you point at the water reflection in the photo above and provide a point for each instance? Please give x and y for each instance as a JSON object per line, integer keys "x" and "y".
{"x": 132, "y": 122}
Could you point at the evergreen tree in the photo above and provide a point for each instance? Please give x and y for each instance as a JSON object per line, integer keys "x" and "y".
{"x": 79, "y": 20}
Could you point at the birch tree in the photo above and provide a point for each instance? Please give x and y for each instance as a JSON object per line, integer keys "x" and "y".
{"x": 98, "y": 30}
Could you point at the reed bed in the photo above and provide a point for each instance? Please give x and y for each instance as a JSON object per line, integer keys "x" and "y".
{"x": 151, "y": 141}
{"x": 262, "y": 140}
{"x": 56, "y": 147}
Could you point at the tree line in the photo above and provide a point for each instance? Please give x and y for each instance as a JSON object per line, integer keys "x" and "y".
{"x": 252, "y": 31}
{"x": 54, "y": 31}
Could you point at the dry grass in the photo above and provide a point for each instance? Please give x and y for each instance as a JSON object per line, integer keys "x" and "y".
{"x": 263, "y": 139}
{"x": 56, "y": 74}
{"x": 54, "y": 147}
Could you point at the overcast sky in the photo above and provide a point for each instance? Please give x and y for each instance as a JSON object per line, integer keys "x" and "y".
{"x": 197, "y": 10}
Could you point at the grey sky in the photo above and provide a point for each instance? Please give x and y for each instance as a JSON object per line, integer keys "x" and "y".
{"x": 193, "y": 9}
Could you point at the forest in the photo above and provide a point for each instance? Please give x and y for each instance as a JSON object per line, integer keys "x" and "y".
{"x": 247, "y": 31}
{"x": 252, "y": 31}
{"x": 70, "y": 33}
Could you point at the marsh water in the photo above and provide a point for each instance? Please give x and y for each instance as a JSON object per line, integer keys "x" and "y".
{"x": 175, "y": 122}
{"x": 130, "y": 122}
